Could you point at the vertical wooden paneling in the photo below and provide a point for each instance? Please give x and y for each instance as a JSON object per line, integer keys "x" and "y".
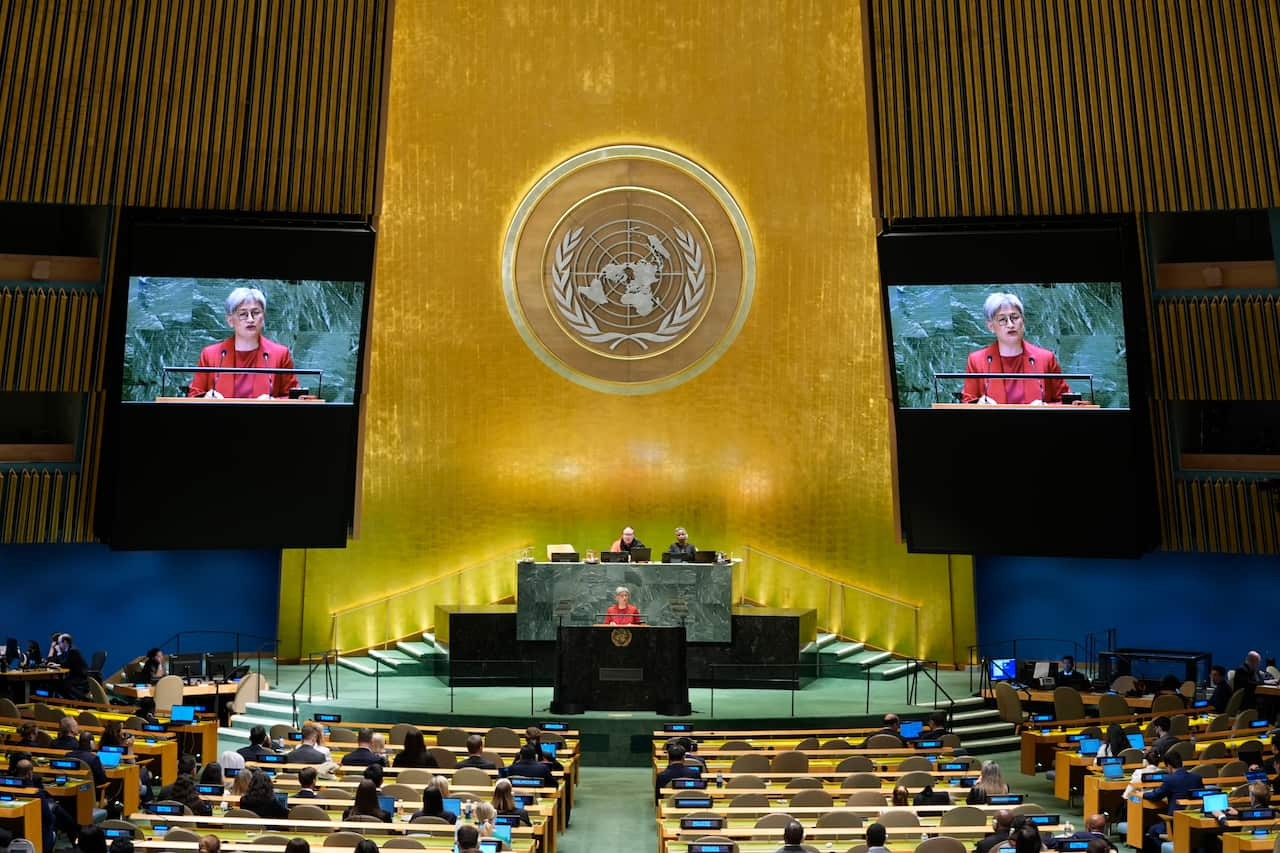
{"x": 182, "y": 103}
{"x": 1110, "y": 107}
{"x": 1218, "y": 348}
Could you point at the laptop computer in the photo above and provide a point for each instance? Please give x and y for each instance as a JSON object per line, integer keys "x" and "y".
{"x": 910, "y": 729}
{"x": 548, "y": 749}
{"x": 1090, "y": 746}
{"x": 641, "y": 555}
{"x": 503, "y": 831}
{"x": 182, "y": 714}
{"x": 704, "y": 556}
{"x": 672, "y": 558}
{"x": 109, "y": 759}
{"x": 1213, "y": 803}
{"x": 387, "y": 804}
{"x": 1113, "y": 771}
{"x": 565, "y": 557}
{"x": 614, "y": 556}
{"x": 453, "y": 804}
{"x": 1136, "y": 741}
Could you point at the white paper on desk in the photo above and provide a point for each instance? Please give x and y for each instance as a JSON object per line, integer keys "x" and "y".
{"x": 1042, "y": 669}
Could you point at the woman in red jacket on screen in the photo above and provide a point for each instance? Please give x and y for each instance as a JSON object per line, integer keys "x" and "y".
{"x": 624, "y": 612}
{"x": 247, "y": 347}
{"x": 1010, "y": 353}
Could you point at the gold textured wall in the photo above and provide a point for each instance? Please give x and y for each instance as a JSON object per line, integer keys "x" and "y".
{"x": 473, "y": 447}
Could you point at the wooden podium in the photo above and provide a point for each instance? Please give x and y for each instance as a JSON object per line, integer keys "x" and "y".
{"x": 621, "y": 668}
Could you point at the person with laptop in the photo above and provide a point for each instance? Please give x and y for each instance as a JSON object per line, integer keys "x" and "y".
{"x": 533, "y": 737}
{"x": 527, "y": 766}
{"x": 622, "y": 612}
{"x": 468, "y": 839}
{"x": 681, "y": 550}
{"x": 1095, "y": 826}
{"x": 84, "y": 752}
{"x": 1176, "y": 785}
{"x": 1259, "y": 798}
{"x": 627, "y": 542}
{"x": 367, "y": 803}
{"x": 892, "y": 728}
{"x": 504, "y": 801}
{"x": 675, "y": 769}
{"x": 1164, "y": 740}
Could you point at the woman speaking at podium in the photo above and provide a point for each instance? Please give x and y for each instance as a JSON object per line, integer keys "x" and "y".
{"x": 624, "y": 612}
{"x": 247, "y": 347}
{"x": 1011, "y": 354}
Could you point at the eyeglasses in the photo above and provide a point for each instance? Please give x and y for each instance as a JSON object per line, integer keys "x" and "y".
{"x": 1008, "y": 319}
{"x": 255, "y": 313}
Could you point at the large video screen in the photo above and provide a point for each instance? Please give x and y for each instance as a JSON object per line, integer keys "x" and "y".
{"x": 174, "y": 324}
{"x": 1075, "y": 329}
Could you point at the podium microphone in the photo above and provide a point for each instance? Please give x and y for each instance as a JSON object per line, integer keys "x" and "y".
{"x": 986, "y": 388}
{"x": 221, "y": 358}
{"x": 271, "y": 380}
{"x": 1031, "y": 359}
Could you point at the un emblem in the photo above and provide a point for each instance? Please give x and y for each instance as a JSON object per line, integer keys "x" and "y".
{"x": 621, "y": 637}
{"x": 628, "y": 269}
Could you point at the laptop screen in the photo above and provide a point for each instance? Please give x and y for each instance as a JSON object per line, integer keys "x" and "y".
{"x": 1089, "y": 746}
{"x": 182, "y": 713}
{"x": 1214, "y": 803}
{"x": 1113, "y": 771}
{"x": 109, "y": 759}
{"x": 1003, "y": 669}
{"x": 388, "y": 804}
{"x": 1136, "y": 741}
{"x": 910, "y": 730}
{"x": 453, "y": 804}
{"x": 503, "y": 831}
{"x": 548, "y": 749}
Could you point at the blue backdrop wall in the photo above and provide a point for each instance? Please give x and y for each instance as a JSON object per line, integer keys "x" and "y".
{"x": 127, "y": 601}
{"x": 1219, "y": 603}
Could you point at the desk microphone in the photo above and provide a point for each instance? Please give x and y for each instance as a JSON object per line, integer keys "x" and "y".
{"x": 221, "y": 359}
{"x": 986, "y": 389}
{"x": 271, "y": 380}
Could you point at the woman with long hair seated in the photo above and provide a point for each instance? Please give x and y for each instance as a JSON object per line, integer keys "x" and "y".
{"x": 415, "y": 753}
{"x": 260, "y": 797}
{"x": 433, "y": 806}
{"x": 366, "y": 803}
{"x": 504, "y": 802}
{"x": 183, "y": 790}
{"x": 990, "y": 783}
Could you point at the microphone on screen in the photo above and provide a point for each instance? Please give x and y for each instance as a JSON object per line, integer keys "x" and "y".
{"x": 271, "y": 380}
{"x": 221, "y": 358}
{"x": 986, "y": 389}
{"x": 1031, "y": 359}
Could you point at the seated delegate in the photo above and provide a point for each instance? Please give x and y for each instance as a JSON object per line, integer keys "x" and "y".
{"x": 623, "y": 612}
{"x": 682, "y": 549}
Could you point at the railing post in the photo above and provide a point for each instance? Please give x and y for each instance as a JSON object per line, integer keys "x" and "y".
{"x": 795, "y": 678}
{"x": 377, "y": 686}
{"x": 713, "y": 690}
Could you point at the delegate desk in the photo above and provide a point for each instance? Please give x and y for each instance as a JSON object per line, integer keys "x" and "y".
{"x": 615, "y": 667}
{"x": 695, "y": 595}
{"x": 1045, "y": 697}
{"x": 24, "y": 818}
{"x": 22, "y": 679}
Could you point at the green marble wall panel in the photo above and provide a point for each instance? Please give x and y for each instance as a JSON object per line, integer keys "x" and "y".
{"x": 935, "y": 328}
{"x": 589, "y": 588}
{"x": 171, "y": 319}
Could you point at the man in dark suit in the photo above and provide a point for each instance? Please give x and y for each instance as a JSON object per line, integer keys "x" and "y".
{"x": 892, "y": 727}
{"x": 1001, "y": 824}
{"x": 1163, "y": 740}
{"x": 527, "y": 766}
{"x": 1177, "y": 785}
{"x": 1247, "y": 678}
{"x": 1069, "y": 676}
{"x": 793, "y": 838}
{"x": 364, "y": 754}
{"x": 84, "y": 752}
{"x": 675, "y": 769}
{"x": 1095, "y": 826}
{"x": 475, "y": 745}
{"x": 1221, "y": 688}
{"x": 306, "y": 753}
{"x": 259, "y": 744}
{"x": 306, "y": 784}
{"x": 68, "y": 735}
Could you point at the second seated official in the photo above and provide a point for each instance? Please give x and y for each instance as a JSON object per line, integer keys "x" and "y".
{"x": 682, "y": 549}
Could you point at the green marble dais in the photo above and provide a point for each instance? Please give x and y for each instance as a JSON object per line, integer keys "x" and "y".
{"x": 171, "y": 319}
{"x": 588, "y": 590}
{"x": 936, "y": 327}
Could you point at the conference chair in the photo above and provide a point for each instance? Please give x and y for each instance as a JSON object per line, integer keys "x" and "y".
{"x": 430, "y": 818}
{"x": 803, "y": 782}
{"x": 471, "y": 777}
{"x": 1131, "y": 756}
{"x": 180, "y": 834}
{"x": 865, "y": 798}
{"x": 941, "y": 844}
{"x": 42, "y": 713}
{"x": 837, "y": 743}
{"x": 364, "y": 818}
{"x": 899, "y": 817}
{"x": 415, "y": 776}
{"x": 451, "y": 736}
{"x": 883, "y": 741}
{"x": 401, "y": 791}
{"x": 501, "y": 737}
{"x": 812, "y": 797}
{"x": 840, "y": 819}
{"x": 861, "y": 780}
{"x": 98, "y": 693}
{"x": 1206, "y": 771}
{"x": 1009, "y": 704}
{"x": 1124, "y": 684}
{"x": 791, "y": 761}
{"x": 336, "y": 794}
{"x": 1250, "y": 752}
{"x": 856, "y": 764}
{"x": 345, "y": 839}
{"x": 1169, "y": 703}
{"x": 8, "y": 709}
{"x": 493, "y": 757}
{"x": 1179, "y": 725}
{"x": 809, "y": 743}
{"x": 1234, "y": 703}
{"x": 776, "y": 820}
{"x": 403, "y": 843}
{"x": 951, "y": 741}
{"x": 915, "y": 779}
{"x": 1183, "y": 748}
{"x": 747, "y": 782}
{"x": 398, "y": 733}
{"x": 306, "y": 811}
{"x": 248, "y": 690}
{"x": 1232, "y": 768}
{"x": 1244, "y": 718}
{"x": 445, "y": 759}
{"x": 1113, "y": 705}
{"x": 736, "y": 746}
{"x": 1214, "y": 749}
{"x": 1067, "y": 703}
{"x": 88, "y": 718}
{"x": 1028, "y": 808}
{"x": 116, "y": 823}
{"x": 915, "y": 762}
{"x": 343, "y": 736}
{"x": 748, "y": 801}
{"x": 272, "y": 839}
{"x": 21, "y": 845}
{"x": 718, "y": 839}
{"x": 964, "y": 816}
{"x": 1220, "y": 723}
{"x": 1188, "y": 690}
{"x": 239, "y": 812}
{"x": 168, "y": 692}
{"x": 96, "y": 662}
{"x": 1092, "y": 731}
{"x": 753, "y": 763}
{"x": 1274, "y": 849}
{"x": 281, "y": 731}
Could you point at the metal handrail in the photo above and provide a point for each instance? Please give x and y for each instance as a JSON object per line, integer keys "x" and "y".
{"x": 794, "y": 680}
{"x": 525, "y": 663}
{"x": 311, "y": 658}
{"x": 913, "y": 687}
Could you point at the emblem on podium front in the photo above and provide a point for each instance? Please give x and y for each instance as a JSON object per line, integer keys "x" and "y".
{"x": 621, "y": 637}
{"x": 628, "y": 269}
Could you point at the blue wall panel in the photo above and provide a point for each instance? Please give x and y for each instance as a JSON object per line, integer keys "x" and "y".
{"x": 127, "y": 601}
{"x": 1219, "y": 603}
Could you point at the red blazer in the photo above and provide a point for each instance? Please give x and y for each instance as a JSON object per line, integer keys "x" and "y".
{"x": 1035, "y": 360}
{"x": 630, "y": 616}
{"x": 222, "y": 354}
